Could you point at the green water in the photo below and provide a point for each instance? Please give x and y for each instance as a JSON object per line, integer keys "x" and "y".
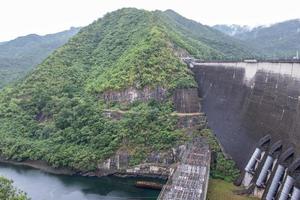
{"x": 43, "y": 186}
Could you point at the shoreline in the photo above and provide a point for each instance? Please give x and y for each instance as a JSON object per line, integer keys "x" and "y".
{"x": 44, "y": 167}
{"x": 40, "y": 165}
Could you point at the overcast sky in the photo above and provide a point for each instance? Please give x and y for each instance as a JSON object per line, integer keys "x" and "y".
{"x": 22, "y": 17}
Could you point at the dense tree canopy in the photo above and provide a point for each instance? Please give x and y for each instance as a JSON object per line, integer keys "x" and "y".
{"x": 19, "y": 56}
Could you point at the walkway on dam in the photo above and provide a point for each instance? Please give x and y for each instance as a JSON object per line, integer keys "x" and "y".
{"x": 190, "y": 179}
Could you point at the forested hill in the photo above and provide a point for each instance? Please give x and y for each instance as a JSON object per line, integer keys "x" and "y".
{"x": 56, "y": 113}
{"x": 280, "y": 40}
{"x": 225, "y": 46}
{"x": 22, "y": 54}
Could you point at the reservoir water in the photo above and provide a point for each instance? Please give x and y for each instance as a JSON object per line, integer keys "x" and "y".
{"x": 43, "y": 186}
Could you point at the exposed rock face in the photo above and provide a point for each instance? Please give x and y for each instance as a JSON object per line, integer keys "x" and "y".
{"x": 187, "y": 100}
{"x": 157, "y": 164}
{"x": 131, "y": 94}
{"x": 184, "y": 120}
{"x": 187, "y": 105}
{"x": 195, "y": 121}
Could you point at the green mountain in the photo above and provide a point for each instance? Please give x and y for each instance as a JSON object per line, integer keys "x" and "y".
{"x": 280, "y": 40}
{"x": 22, "y": 54}
{"x": 57, "y": 114}
{"x": 215, "y": 45}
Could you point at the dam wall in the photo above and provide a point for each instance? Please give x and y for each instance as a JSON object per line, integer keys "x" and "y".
{"x": 245, "y": 101}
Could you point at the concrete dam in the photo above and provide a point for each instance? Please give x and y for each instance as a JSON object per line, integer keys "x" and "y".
{"x": 253, "y": 108}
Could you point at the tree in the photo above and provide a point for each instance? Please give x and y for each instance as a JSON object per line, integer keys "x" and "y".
{"x": 9, "y": 192}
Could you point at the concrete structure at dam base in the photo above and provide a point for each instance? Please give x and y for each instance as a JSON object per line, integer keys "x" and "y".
{"x": 191, "y": 176}
{"x": 272, "y": 172}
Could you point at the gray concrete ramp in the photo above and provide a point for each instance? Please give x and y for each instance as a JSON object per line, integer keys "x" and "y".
{"x": 190, "y": 179}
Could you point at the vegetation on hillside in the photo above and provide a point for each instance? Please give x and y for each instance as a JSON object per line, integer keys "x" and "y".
{"x": 55, "y": 114}
{"x": 9, "y": 192}
{"x": 19, "y": 56}
{"x": 142, "y": 56}
{"x": 74, "y": 133}
{"x": 207, "y": 43}
{"x": 221, "y": 167}
{"x": 280, "y": 40}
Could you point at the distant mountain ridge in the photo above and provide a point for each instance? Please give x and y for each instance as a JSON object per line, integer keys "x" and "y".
{"x": 232, "y": 29}
{"x": 22, "y": 54}
{"x": 279, "y": 40}
{"x": 226, "y": 46}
